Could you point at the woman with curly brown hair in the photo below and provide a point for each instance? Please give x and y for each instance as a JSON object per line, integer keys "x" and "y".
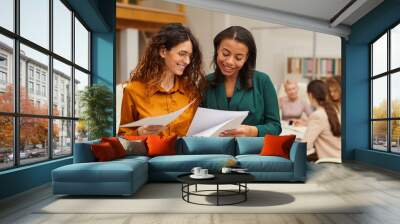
{"x": 335, "y": 90}
{"x": 168, "y": 77}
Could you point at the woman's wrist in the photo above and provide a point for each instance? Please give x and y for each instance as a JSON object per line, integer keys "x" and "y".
{"x": 139, "y": 131}
{"x": 254, "y": 131}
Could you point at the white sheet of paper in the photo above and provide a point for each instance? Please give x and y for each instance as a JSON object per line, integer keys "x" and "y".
{"x": 210, "y": 122}
{"x": 158, "y": 120}
{"x": 292, "y": 130}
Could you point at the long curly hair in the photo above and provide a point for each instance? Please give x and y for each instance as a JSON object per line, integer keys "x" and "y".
{"x": 151, "y": 65}
{"x": 335, "y": 83}
{"x": 319, "y": 91}
{"x": 245, "y": 37}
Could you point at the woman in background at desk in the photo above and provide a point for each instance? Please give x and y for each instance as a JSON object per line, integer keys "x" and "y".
{"x": 292, "y": 107}
{"x": 168, "y": 77}
{"x": 323, "y": 130}
{"x": 335, "y": 91}
{"x": 237, "y": 86}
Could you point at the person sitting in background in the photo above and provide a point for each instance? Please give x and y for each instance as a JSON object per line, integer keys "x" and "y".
{"x": 335, "y": 91}
{"x": 292, "y": 107}
{"x": 323, "y": 131}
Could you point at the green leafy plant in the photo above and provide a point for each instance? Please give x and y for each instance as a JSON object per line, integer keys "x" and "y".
{"x": 96, "y": 102}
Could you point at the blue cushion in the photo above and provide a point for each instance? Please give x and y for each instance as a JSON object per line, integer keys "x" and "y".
{"x": 206, "y": 145}
{"x": 257, "y": 163}
{"x": 249, "y": 145}
{"x": 111, "y": 171}
{"x": 83, "y": 153}
{"x": 185, "y": 163}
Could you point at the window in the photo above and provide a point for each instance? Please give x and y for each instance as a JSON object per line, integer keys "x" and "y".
{"x": 385, "y": 95}
{"x": 3, "y": 78}
{"x": 38, "y": 89}
{"x": 41, "y": 83}
{"x": 3, "y": 71}
{"x": 3, "y": 61}
{"x": 37, "y": 75}
{"x": 30, "y": 73}
{"x": 30, "y": 87}
{"x": 44, "y": 91}
{"x": 7, "y": 73}
{"x": 7, "y": 14}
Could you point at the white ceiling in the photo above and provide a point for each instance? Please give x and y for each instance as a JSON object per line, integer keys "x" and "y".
{"x": 313, "y": 15}
{"x": 320, "y": 9}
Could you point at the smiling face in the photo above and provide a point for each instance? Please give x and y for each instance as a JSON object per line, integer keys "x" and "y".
{"x": 334, "y": 93}
{"x": 231, "y": 56}
{"x": 291, "y": 90}
{"x": 177, "y": 58}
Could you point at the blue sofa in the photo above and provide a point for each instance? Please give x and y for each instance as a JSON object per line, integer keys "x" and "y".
{"x": 125, "y": 176}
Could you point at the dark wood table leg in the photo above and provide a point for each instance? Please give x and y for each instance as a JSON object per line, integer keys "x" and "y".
{"x": 217, "y": 194}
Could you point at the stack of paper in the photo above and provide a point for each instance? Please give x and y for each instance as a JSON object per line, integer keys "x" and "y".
{"x": 210, "y": 122}
{"x": 206, "y": 122}
{"x": 157, "y": 120}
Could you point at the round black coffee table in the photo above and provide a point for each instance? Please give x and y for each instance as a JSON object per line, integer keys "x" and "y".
{"x": 238, "y": 179}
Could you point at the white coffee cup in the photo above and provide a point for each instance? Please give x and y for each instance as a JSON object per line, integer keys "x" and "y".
{"x": 226, "y": 170}
{"x": 196, "y": 170}
{"x": 203, "y": 172}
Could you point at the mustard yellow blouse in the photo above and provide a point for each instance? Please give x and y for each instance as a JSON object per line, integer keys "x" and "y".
{"x": 139, "y": 102}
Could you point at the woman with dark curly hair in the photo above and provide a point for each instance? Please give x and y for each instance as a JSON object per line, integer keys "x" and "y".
{"x": 168, "y": 77}
{"x": 237, "y": 86}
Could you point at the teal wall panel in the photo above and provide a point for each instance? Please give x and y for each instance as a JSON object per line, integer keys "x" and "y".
{"x": 356, "y": 98}
{"x": 99, "y": 16}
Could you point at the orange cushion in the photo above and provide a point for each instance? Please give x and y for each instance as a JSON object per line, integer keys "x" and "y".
{"x": 103, "y": 152}
{"x": 158, "y": 146}
{"x": 116, "y": 145}
{"x": 135, "y": 137}
{"x": 277, "y": 145}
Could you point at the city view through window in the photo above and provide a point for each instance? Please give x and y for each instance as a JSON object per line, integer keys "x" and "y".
{"x": 39, "y": 113}
{"x": 385, "y": 82}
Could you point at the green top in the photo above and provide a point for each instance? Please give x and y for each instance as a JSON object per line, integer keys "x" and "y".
{"x": 261, "y": 102}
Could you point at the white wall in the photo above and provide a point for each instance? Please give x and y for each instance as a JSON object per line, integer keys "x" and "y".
{"x": 275, "y": 43}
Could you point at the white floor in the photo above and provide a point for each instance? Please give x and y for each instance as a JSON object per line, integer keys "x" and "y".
{"x": 379, "y": 190}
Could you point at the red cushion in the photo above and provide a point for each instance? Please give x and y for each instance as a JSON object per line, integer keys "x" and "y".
{"x": 161, "y": 145}
{"x": 103, "y": 151}
{"x": 277, "y": 145}
{"x": 116, "y": 145}
{"x": 135, "y": 137}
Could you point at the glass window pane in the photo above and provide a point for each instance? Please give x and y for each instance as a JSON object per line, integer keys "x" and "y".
{"x": 7, "y": 14}
{"x": 6, "y": 74}
{"x": 81, "y": 45}
{"x": 62, "y": 138}
{"x": 395, "y": 47}
{"x": 33, "y": 139}
{"x": 34, "y": 97}
{"x": 62, "y": 29}
{"x": 379, "y": 56}
{"x": 81, "y": 131}
{"x": 81, "y": 81}
{"x": 62, "y": 89}
{"x": 6, "y": 142}
{"x": 395, "y": 94}
{"x": 379, "y": 97}
{"x": 35, "y": 21}
{"x": 379, "y": 135}
{"x": 395, "y": 129}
